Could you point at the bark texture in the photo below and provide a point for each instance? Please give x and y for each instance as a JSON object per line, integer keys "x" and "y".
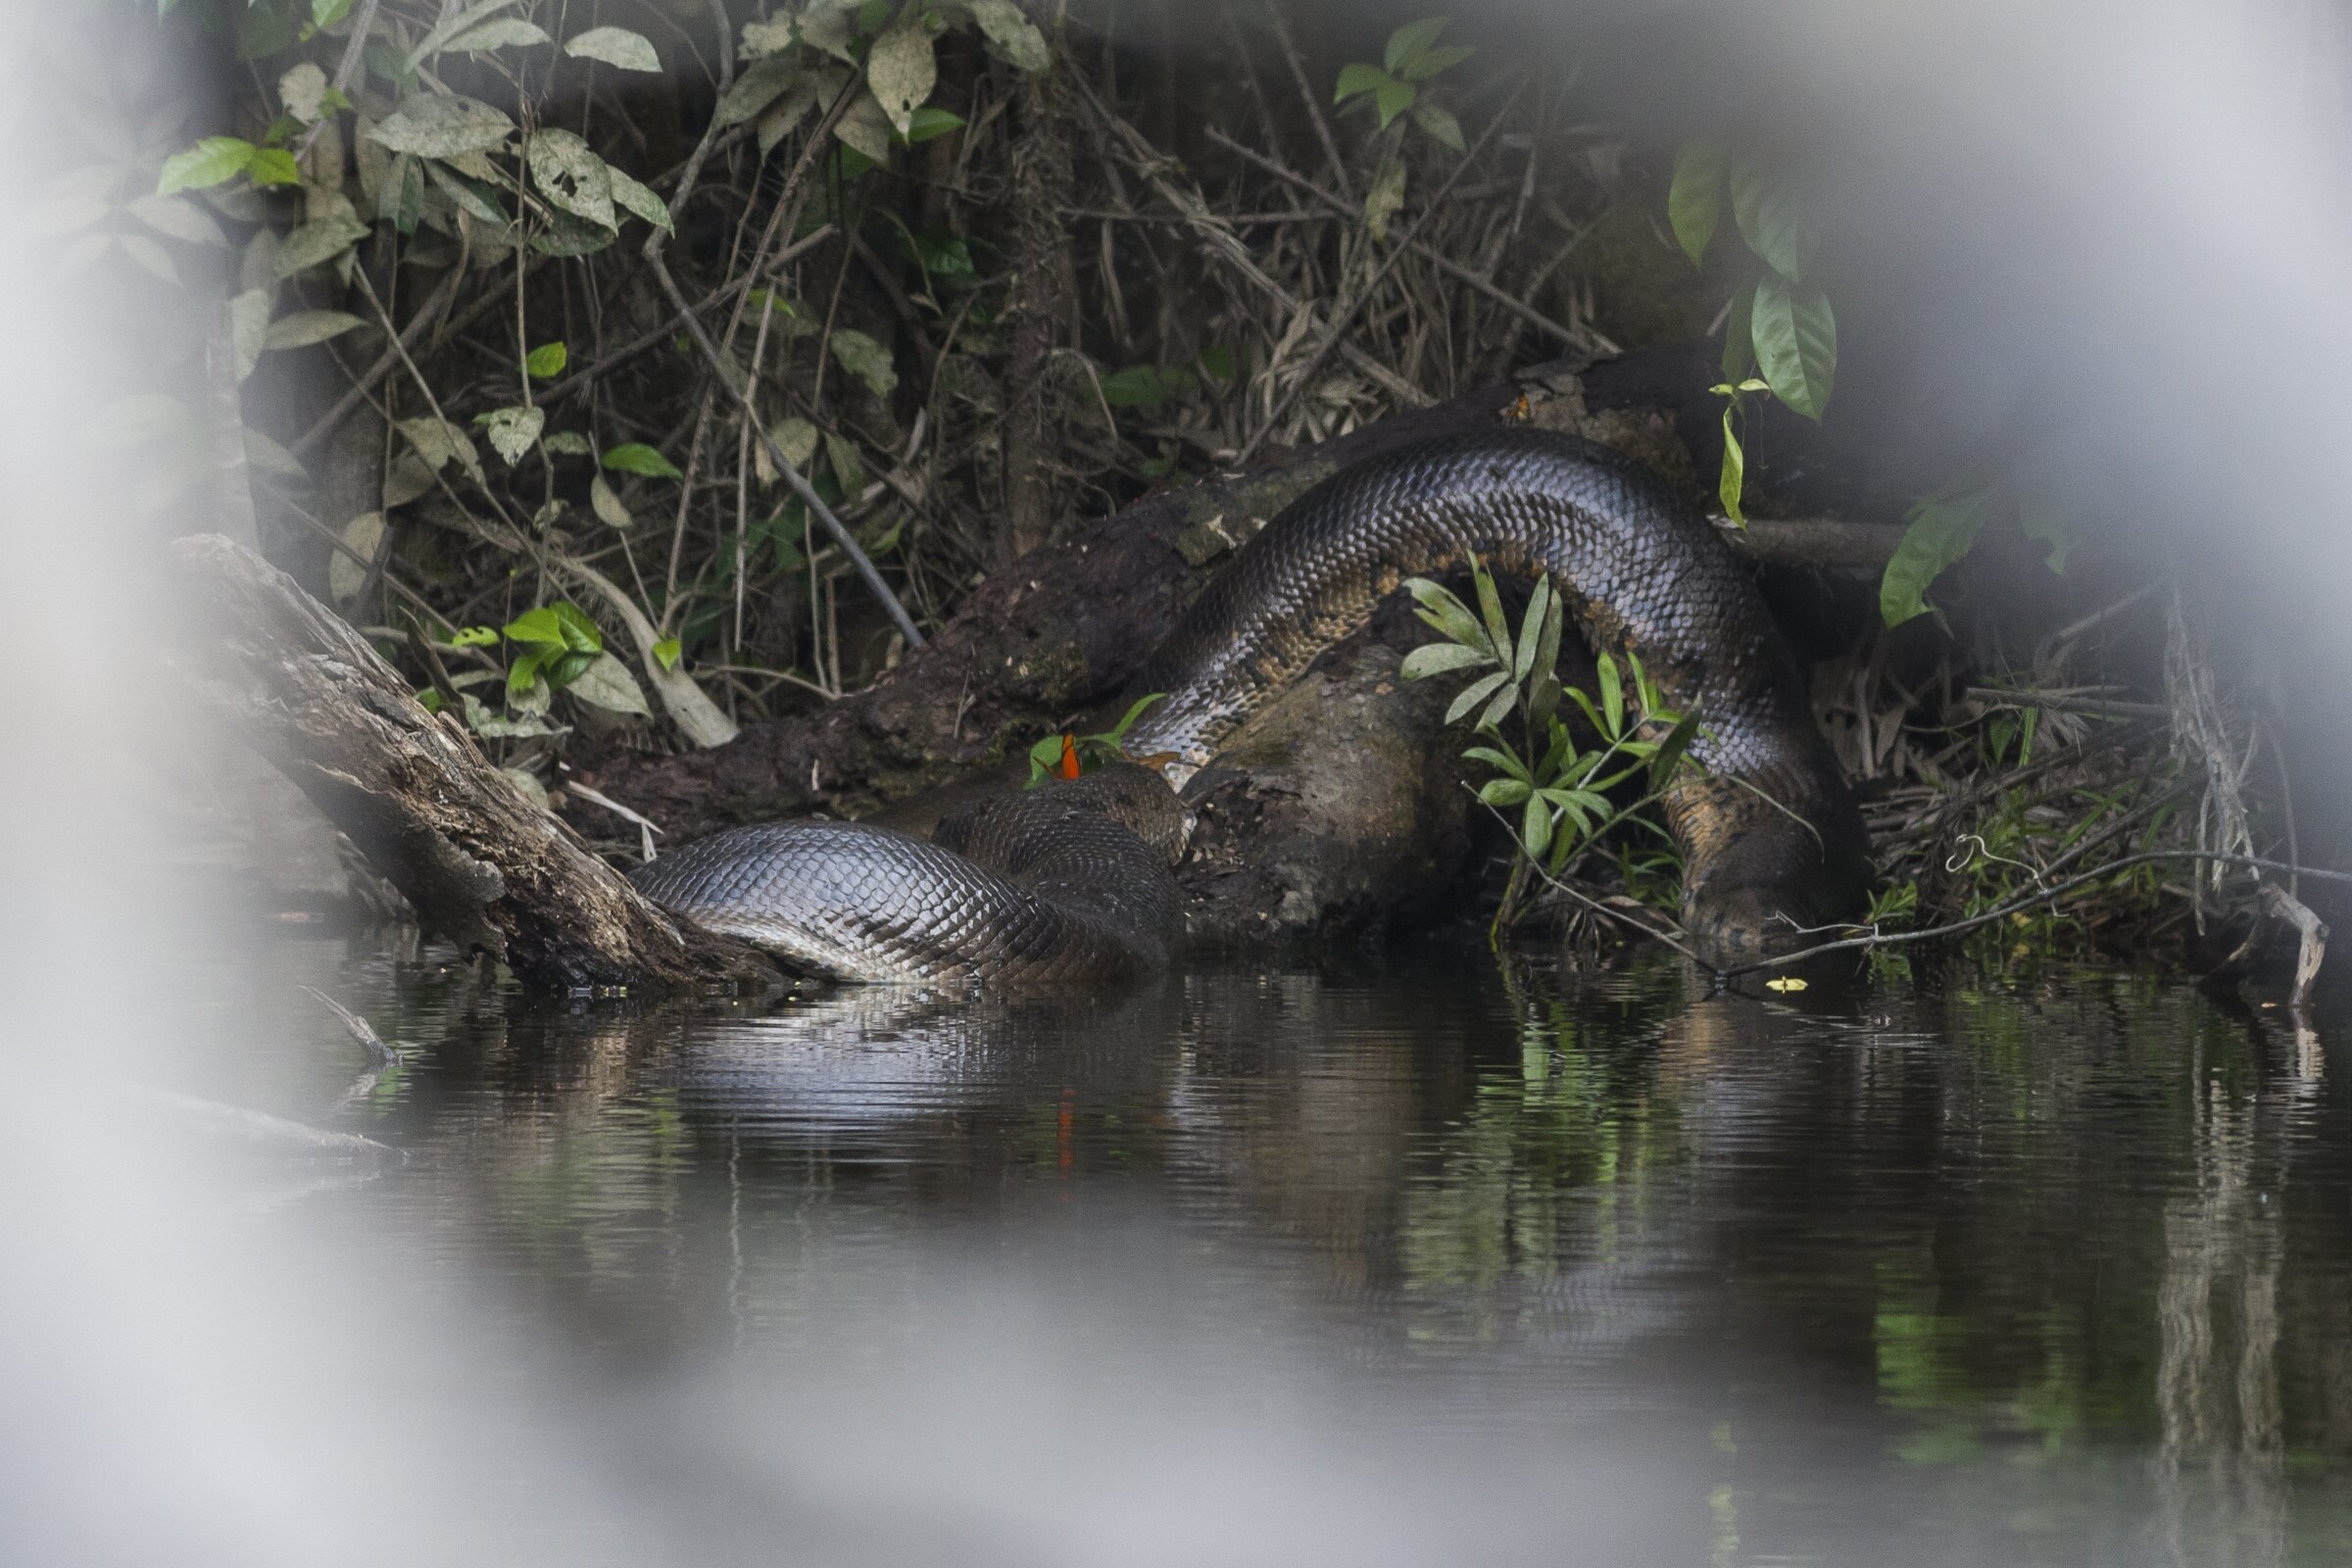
{"x": 482, "y": 865}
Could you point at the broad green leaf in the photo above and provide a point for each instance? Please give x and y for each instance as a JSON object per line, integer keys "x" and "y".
{"x": 475, "y": 637}
{"x": 1502, "y": 792}
{"x": 1358, "y": 79}
{"x": 606, "y": 503}
{"x": 1451, "y": 618}
{"x": 580, "y": 634}
{"x": 547, "y": 360}
{"x": 1434, "y": 659}
{"x": 1430, "y": 62}
{"x": 929, "y": 123}
{"x": 666, "y": 652}
{"x": 347, "y": 569}
{"x": 209, "y": 163}
{"x": 512, "y": 431}
{"x": 149, "y": 254}
{"x": 1013, "y": 35}
{"x": 1695, "y": 199}
{"x": 762, "y": 82}
{"x": 1490, "y": 608}
{"x": 1477, "y": 692}
{"x": 1770, "y": 219}
{"x": 1409, "y": 40}
{"x": 248, "y": 328}
{"x": 1393, "y": 98}
{"x": 502, "y": 33}
{"x": 565, "y": 444}
{"x": 1498, "y": 710}
{"x": 454, "y": 21}
{"x": 299, "y": 330}
{"x": 273, "y": 166}
{"x": 803, "y": 92}
{"x": 1796, "y": 343}
{"x": 317, "y": 242}
{"x": 634, "y": 457}
{"x": 303, "y": 90}
{"x": 633, "y": 196}
{"x": 608, "y": 684}
{"x": 1943, "y": 528}
{"x": 902, "y": 70}
{"x": 1668, "y": 758}
{"x": 865, "y": 130}
{"x": 535, "y": 628}
{"x": 479, "y": 198}
{"x": 572, "y": 177}
{"x": 797, "y": 438}
{"x": 848, "y": 469}
{"x": 1438, "y": 123}
{"x": 427, "y": 126}
{"x": 616, "y": 47}
{"x": 867, "y": 360}
{"x": 436, "y": 442}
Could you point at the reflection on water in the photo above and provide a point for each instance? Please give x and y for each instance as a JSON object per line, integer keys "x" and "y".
{"x": 2050, "y": 1274}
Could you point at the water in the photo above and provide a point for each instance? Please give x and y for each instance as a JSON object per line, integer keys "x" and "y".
{"x": 1434, "y": 1262}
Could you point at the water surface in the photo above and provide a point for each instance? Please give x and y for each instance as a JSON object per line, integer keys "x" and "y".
{"x": 1436, "y": 1261}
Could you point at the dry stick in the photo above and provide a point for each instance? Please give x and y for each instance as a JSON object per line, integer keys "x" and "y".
{"x": 793, "y": 478}
{"x": 436, "y": 304}
{"x": 2040, "y": 895}
{"x": 1345, "y": 319}
{"x": 1427, "y": 252}
{"x": 1314, "y": 103}
{"x": 1225, "y": 246}
{"x": 345, "y": 69}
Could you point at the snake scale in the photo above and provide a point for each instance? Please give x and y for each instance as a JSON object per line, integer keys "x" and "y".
{"x": 1072, "y": 882}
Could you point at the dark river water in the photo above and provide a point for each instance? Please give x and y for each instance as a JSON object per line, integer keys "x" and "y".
{"x": 1437, "y": 1262}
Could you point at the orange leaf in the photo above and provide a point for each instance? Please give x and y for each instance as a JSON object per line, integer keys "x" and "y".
{"x": 1069, "y": 757}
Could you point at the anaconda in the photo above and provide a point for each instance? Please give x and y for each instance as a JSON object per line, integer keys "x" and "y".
{"x": 1072, "y": 881}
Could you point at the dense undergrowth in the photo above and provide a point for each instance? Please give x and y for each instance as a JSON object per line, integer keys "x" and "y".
{"x": 649, "y": 367}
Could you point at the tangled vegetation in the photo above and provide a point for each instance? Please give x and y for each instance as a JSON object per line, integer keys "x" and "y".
{"x": 636, "y": 371}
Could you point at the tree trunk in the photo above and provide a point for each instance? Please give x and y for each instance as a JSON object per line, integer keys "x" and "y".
{"x": 492, "y": 870}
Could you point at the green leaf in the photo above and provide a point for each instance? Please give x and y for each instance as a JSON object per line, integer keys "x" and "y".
{"x": 1438, "y": 124}
{"x": 901, "y": 68}
{"x": 1489, "y": 607}
{"x": 475, "y": 637}
{"x": 512, "y": 431}
{"x": 1411, "y": 40}
{"x": 635, "y": 456}
{"x": 522, "y": 675}
{"x": 1943, "y": 528}
{"x": 931, "y": 121}
{"x": 427, "y": 126}
{"x": 616, "y": 47}
{"x": 273, "y": 166}
{"x": 299, "y": 330}
{"x": 1477, "y": 692}
{"x": 317, "y": 243}
{"x": 1536, "y": 828}
{"x": 1504, "y": 761}
{"x": 762, "y": 82}
{"x": 1430, "y": 62}
{"x": 1612, "y": 695}
{"x": 211, "y": 162}
{"x": 536, "y": 628}
{"x": 547, "y": 360}
{"x": 1531, "y": 629}
{"x": 1796, "y": 343}
{"x": 1013, "y": 35}
{"x": 1435, "y": 659}
{"x": 1502, "y": 792}
{"x": 500, "y": 33}
{"x": 1734, "y": 479}
{"x": 570, "y": 174}
{"x": 606, "y": 683}
{"x": 634, "y": 196}
{"x": 1694, "y": 198}
{"x": 1358, "y": 79}
{"x": 867, "y": 360}
{"x": 666, "y": 652}
{"x": 1393, "y": 98}
{"x": 580, "y": 634}
{"x": 1117, "y": 733}
{"x": 1770, "y": 219}
{"x": 1498, "y": 710}
{"x": 1217, "y": 362}
{"x": 479, "y": 198}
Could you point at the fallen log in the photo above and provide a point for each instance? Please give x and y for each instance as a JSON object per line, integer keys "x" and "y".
{"x": 482, "y": 865}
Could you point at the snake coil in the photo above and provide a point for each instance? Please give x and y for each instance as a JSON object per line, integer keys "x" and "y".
{"x": 1072, "y": 881}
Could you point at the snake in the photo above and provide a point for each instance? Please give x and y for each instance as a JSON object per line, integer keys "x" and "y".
{"x": 1073, "y": 881}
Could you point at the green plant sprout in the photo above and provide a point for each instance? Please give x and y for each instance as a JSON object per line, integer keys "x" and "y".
{"x": 1561, "y": 791}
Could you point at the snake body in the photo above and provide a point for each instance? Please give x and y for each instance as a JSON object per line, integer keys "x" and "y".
{"x": 1072, "y": 881}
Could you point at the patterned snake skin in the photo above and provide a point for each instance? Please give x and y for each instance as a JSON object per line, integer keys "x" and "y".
{"x": 1055, "y": 885}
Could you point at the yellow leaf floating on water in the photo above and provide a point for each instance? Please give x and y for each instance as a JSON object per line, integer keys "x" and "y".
{"x": 1785, "y": 983}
